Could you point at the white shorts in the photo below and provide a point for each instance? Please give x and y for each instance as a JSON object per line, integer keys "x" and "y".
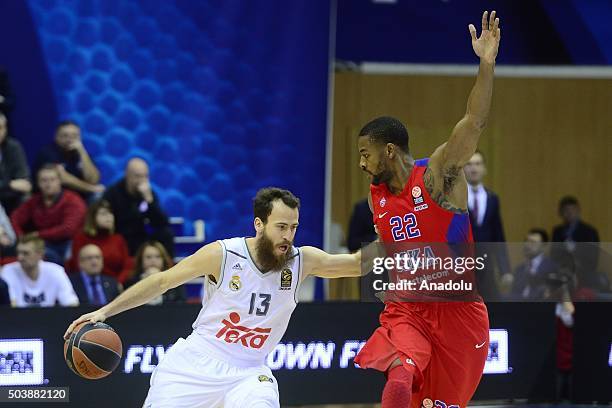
{"x": 186, "y": 377}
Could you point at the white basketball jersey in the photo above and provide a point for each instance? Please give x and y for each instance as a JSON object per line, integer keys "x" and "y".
{"x": 246, "y": 313}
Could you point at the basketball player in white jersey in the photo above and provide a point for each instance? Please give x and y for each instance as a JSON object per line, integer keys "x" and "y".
{"x": 251, "y": 289}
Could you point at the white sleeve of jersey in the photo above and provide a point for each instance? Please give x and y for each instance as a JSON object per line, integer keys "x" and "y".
{"x": 66, "y": 295}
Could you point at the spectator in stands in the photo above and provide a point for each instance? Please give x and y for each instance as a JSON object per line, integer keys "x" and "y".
{"x": 485, "y": 218}
{"x": 33, "y": 282}
{"x": 138, "y": 214}
{"x": 152, "y": 258}
{"x": 99, "y": 229}
{"x": 583, "y": 257}
{"x": 361, "y": 226}
{"x": 532, "y": 277}
{"x": 90, "y": 285}
{"x": 14, "y": 171}
{"x": 7, "y": 234}
{"x": 5, "y": 299}
{"x": 53, "y": 214}
{"x": 77, "y": 171}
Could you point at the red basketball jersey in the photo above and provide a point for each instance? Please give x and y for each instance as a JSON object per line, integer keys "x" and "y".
{"x": 414, "y": 216}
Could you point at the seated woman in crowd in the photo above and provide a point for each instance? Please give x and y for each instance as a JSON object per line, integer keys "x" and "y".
{"x": 152, "y": 258}
{"x": 99, "y": 230}
{"x": 7, "y": 236}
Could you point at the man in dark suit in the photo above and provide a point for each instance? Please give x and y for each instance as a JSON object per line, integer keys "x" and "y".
{"x": 361, "y": 226}
{"x": 139, "y": 216}
{"x": 90, "y": 285}
{"x": 583, "y": 257}
{"x": 5, "y": 299}
{"x": 532, "y": 277}
{"x": 485, "y": 218}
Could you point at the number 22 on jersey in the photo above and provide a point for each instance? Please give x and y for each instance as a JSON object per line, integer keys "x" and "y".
{"x": 405, "y": 227}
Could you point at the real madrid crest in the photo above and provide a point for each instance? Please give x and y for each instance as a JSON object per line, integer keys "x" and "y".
{"x": 286, "y": 277}
{"x": 235, "y": 284}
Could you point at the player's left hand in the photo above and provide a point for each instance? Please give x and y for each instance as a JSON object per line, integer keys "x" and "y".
{"x": 487, "y": 44}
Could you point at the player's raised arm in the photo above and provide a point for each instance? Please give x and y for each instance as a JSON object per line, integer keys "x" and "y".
{"x": 464, "y": 139}
{"x": 206, "y": 261}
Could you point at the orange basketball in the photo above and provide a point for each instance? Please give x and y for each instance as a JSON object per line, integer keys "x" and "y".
{"x": 93, "y": 350}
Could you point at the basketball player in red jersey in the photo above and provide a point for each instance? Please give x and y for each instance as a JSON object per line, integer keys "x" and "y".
{"x": 433, "y": 353}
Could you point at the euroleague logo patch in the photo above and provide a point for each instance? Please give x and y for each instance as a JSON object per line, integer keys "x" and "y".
{"x": 417, "y": 195}
{"x": 382, "y": 202}
{"x": 286, "y": 278}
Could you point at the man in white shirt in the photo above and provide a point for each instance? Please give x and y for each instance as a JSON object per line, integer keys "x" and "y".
{"x": 33, "y": 282}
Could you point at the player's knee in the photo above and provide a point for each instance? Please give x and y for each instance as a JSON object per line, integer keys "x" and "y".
{"x": 401, "y": 376}
{"x": 396, "y": 386}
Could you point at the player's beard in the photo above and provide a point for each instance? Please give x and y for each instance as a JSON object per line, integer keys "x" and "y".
{"x": 383, "y": 173}
{"x": 268, "y": 261}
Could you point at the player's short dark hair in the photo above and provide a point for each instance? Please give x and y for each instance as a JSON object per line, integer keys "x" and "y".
{"x": 386, "y": 129}
{"x": 567, "y": 200}
{"x": 65, "y": 123}
{"x": 263, "y": 201}
{"x": 543, "y": 234}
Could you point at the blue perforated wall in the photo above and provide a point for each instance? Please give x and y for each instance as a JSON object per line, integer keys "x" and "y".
{"x": 220, "y": 97}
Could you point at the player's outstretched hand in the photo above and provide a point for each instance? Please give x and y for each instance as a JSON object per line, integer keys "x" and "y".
{"x": 93, "y": 317}
{"x": 487, "y": 44}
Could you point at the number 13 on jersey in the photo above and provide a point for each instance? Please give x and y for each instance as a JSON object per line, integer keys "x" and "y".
{"x": 405, "y": 227}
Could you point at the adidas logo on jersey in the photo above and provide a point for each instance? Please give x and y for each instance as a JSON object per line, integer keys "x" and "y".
{"x": 247, "y": 337}
{"x": 237, "y": 266}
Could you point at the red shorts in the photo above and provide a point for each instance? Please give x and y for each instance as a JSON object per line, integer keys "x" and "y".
{"x": 446, "y": 344}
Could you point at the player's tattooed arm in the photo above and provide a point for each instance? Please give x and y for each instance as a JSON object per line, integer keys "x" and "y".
{"x": 440, "y": 196}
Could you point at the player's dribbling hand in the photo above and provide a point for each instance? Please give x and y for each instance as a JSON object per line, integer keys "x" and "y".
{"x": 487, "y": 44}
{"x": 92, "y": 317}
